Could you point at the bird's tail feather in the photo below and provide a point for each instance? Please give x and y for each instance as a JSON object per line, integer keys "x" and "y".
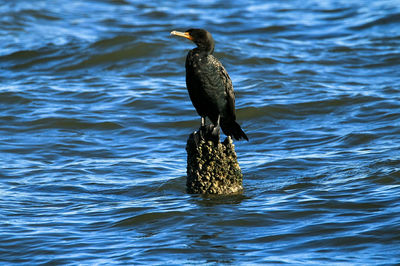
{"x": 232, "y": 128}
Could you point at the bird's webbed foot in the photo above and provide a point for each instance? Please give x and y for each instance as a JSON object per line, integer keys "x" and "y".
{"x": 197, "y": 138}
{"x": 202, "y": 133}
{"x": 203, "y": 129}
{"x": 216, "y": 130}
{"x": 207, "y": 132}
{"x": 215, "y": 133}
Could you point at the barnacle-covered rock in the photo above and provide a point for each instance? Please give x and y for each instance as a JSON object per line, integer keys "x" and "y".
{"x": 212, "y": 166}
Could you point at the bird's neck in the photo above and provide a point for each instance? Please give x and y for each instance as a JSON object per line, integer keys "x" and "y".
{"x": 203, "y": 51}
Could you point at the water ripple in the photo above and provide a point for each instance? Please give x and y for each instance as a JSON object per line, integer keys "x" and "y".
{"x": 95, "y": 114}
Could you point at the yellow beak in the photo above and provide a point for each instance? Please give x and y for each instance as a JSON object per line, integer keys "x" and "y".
{"x": 182, "y": 34}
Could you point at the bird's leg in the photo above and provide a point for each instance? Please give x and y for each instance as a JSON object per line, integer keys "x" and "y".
{"x": 202, "y": 128}
{"x": 216, "y": 130}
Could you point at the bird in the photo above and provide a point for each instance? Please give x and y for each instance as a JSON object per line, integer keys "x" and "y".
{"x": 209, "y": 85}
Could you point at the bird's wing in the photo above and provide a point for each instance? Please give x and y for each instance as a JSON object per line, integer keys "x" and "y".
{"x": 230, "y": 94}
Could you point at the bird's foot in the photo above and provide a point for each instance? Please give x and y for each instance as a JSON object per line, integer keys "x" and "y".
{"x": 200, "y": 135}
{"x": 207, "y": 132}
{"x": 197, "y": 138}
{"x": 203, "y": 132}
{"x": 215, "y": 134}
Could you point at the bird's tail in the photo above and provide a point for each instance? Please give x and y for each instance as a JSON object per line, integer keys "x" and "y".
{"x": 232, "y": 128}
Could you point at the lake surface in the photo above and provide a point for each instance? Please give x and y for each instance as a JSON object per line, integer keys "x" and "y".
{"x": 95, "y": 116}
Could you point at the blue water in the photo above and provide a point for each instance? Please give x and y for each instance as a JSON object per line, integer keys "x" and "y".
{"x": 95, "y": 116}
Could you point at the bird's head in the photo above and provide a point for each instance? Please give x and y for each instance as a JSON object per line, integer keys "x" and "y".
{"x": 200, "y": 37}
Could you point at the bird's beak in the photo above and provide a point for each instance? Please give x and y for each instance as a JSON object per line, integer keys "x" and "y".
{"x": 182, "y": 34}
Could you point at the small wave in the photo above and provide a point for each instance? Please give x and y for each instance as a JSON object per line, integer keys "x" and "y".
{"x": 38, "y": 15}
{"x": 382, "y": 21}
{"x": 48, "y": 57}
{"x": 72, "y": 123}
{"x": 21, "y": 55}
{"x": 117, "y": 54}
{"x": 10, "y": 98}
{"x": 115, "y": 41}
{"x": 301, "y": 109}
{"x": 356, "y": 139}
{"x": 151, "y": 217}
{"x": 272, "y": 29}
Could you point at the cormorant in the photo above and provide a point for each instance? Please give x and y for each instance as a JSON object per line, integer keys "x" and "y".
{"x": 209, "y": 85}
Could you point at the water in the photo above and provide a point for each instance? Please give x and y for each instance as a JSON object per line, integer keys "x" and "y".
{"x": 95, "y": 116}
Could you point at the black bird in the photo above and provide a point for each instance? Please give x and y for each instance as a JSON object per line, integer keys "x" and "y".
{"x": 209, "y": 85}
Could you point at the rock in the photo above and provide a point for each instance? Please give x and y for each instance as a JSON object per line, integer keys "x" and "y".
{"x": 212, "y": 166}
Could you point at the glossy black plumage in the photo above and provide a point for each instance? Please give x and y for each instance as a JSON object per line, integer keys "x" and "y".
{"x": 209, "y": 85}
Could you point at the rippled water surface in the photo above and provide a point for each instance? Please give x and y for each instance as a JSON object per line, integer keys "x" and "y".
{"x": 95, "y": 116}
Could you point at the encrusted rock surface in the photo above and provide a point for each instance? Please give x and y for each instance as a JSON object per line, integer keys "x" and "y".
{"x": 212, "y": 168}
